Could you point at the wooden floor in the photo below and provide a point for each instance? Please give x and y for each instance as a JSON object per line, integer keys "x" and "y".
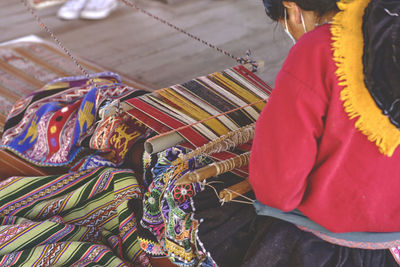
{"x": 140, "y": 47}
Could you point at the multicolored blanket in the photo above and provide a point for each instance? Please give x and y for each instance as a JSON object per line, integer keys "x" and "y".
{"x": 76, "y": 219}
{"x": 52, "y": 126}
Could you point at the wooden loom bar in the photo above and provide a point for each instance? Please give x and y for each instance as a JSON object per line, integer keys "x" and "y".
{"x": 214, "y": 169}
{"x": 209, "y": 148}
{"x": 235, "y": 191}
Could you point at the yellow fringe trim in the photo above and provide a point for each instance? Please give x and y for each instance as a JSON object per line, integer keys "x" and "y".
{"x": 348, "y": 47}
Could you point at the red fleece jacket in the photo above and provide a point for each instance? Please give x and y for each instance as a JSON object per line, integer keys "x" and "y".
{"x": 307, "y": 153}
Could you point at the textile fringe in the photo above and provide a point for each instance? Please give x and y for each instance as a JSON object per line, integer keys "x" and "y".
{"x": 346, "y": 32}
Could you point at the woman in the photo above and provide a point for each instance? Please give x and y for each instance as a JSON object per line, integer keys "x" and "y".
{"x": 324, "y": 151}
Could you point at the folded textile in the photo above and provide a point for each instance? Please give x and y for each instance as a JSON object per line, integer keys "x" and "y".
{"x": 51, "y": 127}
{"x": 75, "y": 219}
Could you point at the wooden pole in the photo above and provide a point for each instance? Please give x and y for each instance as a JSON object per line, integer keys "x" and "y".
{"x": 214, "y": 169}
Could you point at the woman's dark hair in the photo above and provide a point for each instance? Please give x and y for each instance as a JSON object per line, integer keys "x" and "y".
{"x": 275, "y": 8}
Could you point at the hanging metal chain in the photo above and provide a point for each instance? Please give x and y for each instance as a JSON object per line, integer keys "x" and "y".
{"x": 240, "y": 60}
{"x": 58, "y": 42}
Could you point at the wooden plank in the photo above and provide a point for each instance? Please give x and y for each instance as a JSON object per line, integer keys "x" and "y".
{"x": 12, "y": 165}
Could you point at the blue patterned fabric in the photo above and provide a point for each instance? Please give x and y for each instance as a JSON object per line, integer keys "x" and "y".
{"x": 53, "y": 126}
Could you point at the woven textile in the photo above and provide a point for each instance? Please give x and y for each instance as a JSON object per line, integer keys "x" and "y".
{"x": 50, "y": 127}
{"x": 70, "y": 220}
{"x": 202, "y": 98}
{"x": 237, "y": 92}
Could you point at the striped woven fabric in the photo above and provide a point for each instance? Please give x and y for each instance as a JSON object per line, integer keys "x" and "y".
{"x": 202, "y": 98}
{"x": 236, "y": 93}
{"x": 76, "y": 219}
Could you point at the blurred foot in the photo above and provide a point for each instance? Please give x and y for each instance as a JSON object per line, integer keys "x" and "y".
{"x": 71, "y": 9}
{"x": 98, "y": 9}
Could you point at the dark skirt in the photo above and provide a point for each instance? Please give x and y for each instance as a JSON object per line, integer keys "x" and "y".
{"x": 279, "y": 243}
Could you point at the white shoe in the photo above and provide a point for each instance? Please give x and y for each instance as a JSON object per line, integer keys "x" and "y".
{"x": 71, "y": 9}
{"x": 98, "y": 9}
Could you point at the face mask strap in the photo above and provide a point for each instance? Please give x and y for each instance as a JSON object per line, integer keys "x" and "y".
{"x": 302, "y": 21}
{"x": 286, "y": 29}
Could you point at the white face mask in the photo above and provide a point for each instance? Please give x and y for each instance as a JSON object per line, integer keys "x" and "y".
{"x": 286, "y": 29}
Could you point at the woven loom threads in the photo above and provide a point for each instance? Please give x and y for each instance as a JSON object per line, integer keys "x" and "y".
{"x": 223, "y": 143}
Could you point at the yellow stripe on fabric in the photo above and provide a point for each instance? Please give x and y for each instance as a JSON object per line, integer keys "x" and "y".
{"x": 253, "y": 114}
{"x": 239, "y": 91}
{"x": 195, "y": 112}
{"x": 245, "y": 82}
{"x": 23, "y": 237}
{"x": 53, "y": 203}
{"x": 348, "y": 47}
{"x": 90, "y": 209}
{"x": 41, "y": 255}
{"x": 72, "y": 199}
{"x": 60, "y": 254}
{"x": 212, "y": 110}
{"x": 74, "y": 248}
{"x": 160, "y": 105}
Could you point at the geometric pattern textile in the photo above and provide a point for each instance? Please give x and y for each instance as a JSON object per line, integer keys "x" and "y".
{"x": 77, "y": 219}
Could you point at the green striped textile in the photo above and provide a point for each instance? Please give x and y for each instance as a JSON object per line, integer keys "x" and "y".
{"x": 78, "y": 219}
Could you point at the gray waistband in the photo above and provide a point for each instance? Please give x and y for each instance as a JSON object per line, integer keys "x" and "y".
{"x": 299, "y": 219}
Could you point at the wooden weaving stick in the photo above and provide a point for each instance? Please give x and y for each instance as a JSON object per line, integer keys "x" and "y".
{"x": 214, "y": 169}
{"x": 228, "y": 194}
